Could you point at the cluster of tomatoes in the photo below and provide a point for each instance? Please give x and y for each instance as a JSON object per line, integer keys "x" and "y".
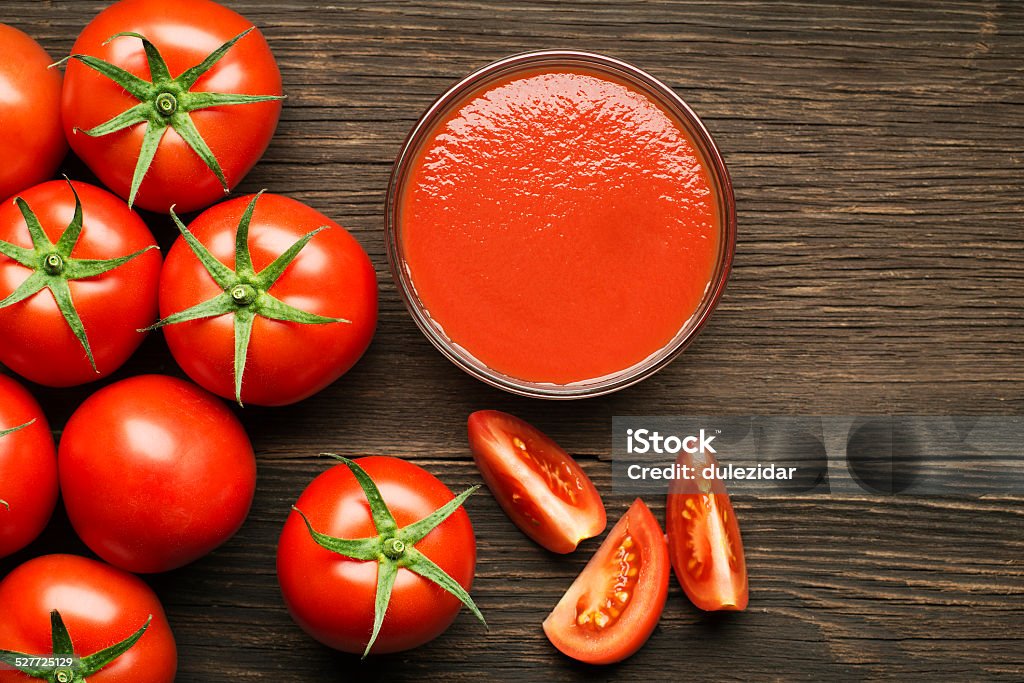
{"x": 262, "y": 300}
{"x": 251, "y": 285}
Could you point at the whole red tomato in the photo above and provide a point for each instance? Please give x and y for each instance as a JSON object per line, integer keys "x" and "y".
{"x": 32, "y": 143}
{"x": 28, "y": 468}
{"x": 303, "y": 317}
{"x": 425, "y": 568}
{"x": 166, "y": 133}
{"x": 73, "y": 607}
{"x": 155, "y": 473}
{"x": 74, "y": 293}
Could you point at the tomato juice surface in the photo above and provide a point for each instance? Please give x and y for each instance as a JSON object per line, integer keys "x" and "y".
{"x": 559, "y": 225}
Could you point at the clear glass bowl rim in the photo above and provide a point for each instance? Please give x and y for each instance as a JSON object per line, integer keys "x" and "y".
{"x": 632, "y": 75}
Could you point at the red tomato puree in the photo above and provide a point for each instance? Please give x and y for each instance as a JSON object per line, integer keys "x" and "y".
{"x": 559, "y": 226}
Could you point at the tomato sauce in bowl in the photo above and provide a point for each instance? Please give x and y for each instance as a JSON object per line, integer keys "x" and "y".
{"x": 560, "y": 224}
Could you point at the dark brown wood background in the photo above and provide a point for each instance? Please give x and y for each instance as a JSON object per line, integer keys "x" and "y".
{"x": 876, "y": 150}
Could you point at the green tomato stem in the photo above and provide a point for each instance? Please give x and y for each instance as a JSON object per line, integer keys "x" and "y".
{"x": 394, "y": 548}
{"x": 166, "y": 103}
{"x": 53, "y": 264}
{"x": 81, "y": 668}
{"x": 243, "y": 294}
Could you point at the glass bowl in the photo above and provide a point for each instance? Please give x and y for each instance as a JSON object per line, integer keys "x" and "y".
{"x": 642, "y": 82}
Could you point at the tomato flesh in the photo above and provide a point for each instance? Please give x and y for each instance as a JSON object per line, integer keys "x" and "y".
{"x": 612, "y": 608}
{"x": 705, "y": 544}
{"x": 541, "y": 488}
{"x": 600, "y": 609}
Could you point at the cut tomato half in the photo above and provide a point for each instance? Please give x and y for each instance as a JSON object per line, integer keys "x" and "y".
{"x": 540, "y": 487}
{"x": 704, "y": 540}
{"x": 612, "y": 607}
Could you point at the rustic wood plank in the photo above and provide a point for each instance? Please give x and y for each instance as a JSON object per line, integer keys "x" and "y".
{"x": 875, "y": 149}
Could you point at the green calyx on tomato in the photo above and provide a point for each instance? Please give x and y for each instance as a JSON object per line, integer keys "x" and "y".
{"x": 54, "y": 267}
{"x": 166, "y": 102}
{"x": 6, "y": 432}
{"x": 246, "y": 293}
{"x": 65, "y": 666}
{"x": 393, "y": 548}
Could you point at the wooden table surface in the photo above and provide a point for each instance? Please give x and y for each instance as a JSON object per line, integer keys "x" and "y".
{"x": 877, "y": 157}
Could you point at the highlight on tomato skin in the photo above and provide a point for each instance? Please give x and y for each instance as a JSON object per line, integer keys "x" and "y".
{"x": 537, "y": 483}
{"x": 33, "y": 143}
{"x": 613, "y": 606}
{"x": 704, "y": 542}
{"x": 155, "y": 473}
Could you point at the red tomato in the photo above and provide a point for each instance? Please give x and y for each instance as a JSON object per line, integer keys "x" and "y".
{"x": 184, "y": 32}
{"x": 332, "y": 596}
{"x": 611, "y": 608}
{"x": 284, "y": 361}
{"x": 38, "y": 340}
{"x": 99, "y": 606}
{"x": 155, "y": 473}
{"x": 541, "y": 488}
{"x": 704, "y": 541}
{"x": 32, "y": 144}
{"x": 28, "y": 468}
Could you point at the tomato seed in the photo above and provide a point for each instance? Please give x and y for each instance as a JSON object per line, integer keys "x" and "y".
{"x": 608, "y": 610}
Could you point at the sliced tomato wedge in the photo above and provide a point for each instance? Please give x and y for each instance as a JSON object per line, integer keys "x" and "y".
{"x": 540, "y": 487}
{"x": 704, "y": 540}
{"x": 612, "y": 607}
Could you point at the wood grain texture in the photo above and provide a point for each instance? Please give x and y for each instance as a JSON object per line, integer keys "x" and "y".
{"x": 876, "y": 152}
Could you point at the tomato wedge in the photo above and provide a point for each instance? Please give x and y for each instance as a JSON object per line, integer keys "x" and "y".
{"x": 612, "y": 607}
{"x": 704, "y": 540}
{"x": 540, "y": 487}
